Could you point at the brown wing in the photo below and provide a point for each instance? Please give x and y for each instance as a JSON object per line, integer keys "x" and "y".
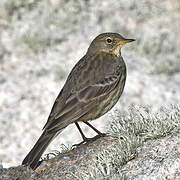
{"x": 66, "y": 92}
{"x": 82, "y": 102}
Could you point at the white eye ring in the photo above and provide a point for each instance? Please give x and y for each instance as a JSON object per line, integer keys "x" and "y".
{"x": 109, "y": 40}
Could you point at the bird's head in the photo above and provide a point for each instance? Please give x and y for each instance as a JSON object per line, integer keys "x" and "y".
{"x": 109, "y": 43}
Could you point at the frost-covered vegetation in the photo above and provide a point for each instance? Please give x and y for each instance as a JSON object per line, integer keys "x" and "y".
{"x": 131, "y": 130}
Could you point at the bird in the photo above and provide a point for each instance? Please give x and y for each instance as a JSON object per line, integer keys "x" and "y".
{"x": 92, "y": 88}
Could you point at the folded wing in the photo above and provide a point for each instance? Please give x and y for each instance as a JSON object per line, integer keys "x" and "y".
{"x": 81, "y": 102}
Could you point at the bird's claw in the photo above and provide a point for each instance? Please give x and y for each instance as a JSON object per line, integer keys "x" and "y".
{"x": 89, "y": 140}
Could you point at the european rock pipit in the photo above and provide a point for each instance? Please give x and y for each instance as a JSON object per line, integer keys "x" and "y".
{"x": 92, "y": 88}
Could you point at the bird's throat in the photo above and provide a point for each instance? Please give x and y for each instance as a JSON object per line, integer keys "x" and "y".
{"x": 117, "y": 51}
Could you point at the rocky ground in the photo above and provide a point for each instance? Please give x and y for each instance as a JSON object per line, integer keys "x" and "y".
{"x": 40, "y": 41}
{"x": 156, "y": 160}
{"x": 139, "y": 146}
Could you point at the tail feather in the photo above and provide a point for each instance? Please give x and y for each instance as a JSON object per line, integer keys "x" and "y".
{"x": 36, "y": 152}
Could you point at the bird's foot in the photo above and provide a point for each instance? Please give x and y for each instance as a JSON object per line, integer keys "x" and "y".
{"x": 90, "y": 140}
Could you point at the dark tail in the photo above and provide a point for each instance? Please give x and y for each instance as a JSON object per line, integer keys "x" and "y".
{"x": 32, "y": 159}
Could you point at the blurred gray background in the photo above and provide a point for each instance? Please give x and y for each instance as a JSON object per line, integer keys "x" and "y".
{"x": 40, "y": 42}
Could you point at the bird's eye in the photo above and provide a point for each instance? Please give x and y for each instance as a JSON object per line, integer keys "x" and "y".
{"x": 109, "y": 40}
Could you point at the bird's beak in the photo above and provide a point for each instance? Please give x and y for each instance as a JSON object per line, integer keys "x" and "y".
{"x": 124, "y": 41}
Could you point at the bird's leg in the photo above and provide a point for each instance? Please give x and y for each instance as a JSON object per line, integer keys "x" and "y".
{"x": 85, "y": 139}
{"x": 100, "y": 134}
{"x": 80, "y": 130}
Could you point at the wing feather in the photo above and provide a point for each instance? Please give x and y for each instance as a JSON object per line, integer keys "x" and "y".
{"x": 82, "y": 102}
